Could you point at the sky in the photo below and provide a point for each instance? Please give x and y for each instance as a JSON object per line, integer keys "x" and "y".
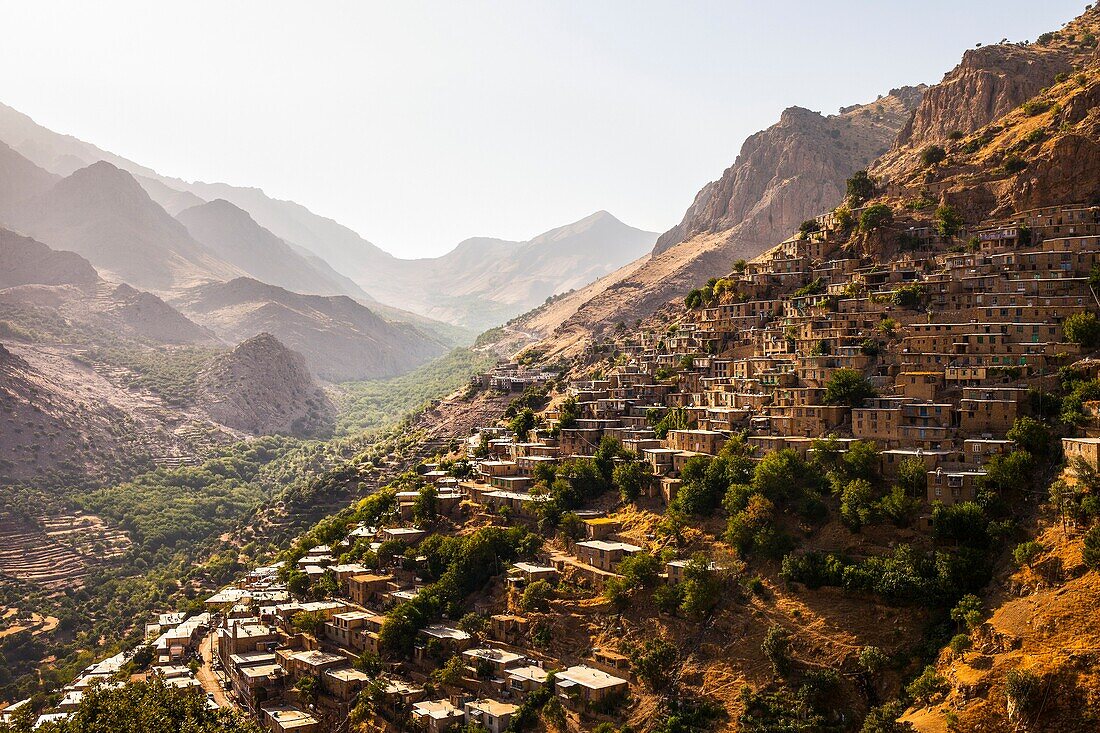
{"x": 419, "y": 124}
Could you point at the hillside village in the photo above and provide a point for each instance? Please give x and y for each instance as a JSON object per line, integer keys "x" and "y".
{"x": 849, "y": 484}
{"x": 929, "y": 363}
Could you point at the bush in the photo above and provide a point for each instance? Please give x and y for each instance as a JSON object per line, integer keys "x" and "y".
{"x": 860, "y": 187}
{"x": 777, "y": 648}
{"x": 848, "y": 387}
{"x": 927, "y": 686}
{"x": 948, "y": 221}
{"x": 1033, "y": 107}
{"x": 654, "y": 662}
{"x": 1090, "y": 551}
{"x": 1083, "y": 329}
{"x": 959, "y": 643}
{"x": 1026, "y": 552}
{"x": 932, "y": 155}
{"x": 909, "y": 296}
{"x": 857, "y": 504}
{"x": 875, "y": 217}
{"x": 1022, "y": 688}
{"x": 1013, "y": 164}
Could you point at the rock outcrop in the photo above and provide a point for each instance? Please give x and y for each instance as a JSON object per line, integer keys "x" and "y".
{"x": 264, "y": 388}
{"x": 24, "y": 261}
{"x": 792, "y": 171}
{"x": 340, "y": 338}
{"x": 988, "y": 83}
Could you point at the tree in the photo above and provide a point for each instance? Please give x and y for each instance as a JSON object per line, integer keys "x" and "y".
{"x": 968, "y": 612}
{"x": 948, "y": 221}
{"x": 927, "y": 686}
{"x": 848, "y": 387}
{"x": 630, "y": 478}
{"x": 426, "y": 505}
{"x": 777, "y": 648}
{"x": 306, "y": 687}
{"x": 1090, "y": 551}
{"x": 369, "y": 663}
{"x": 884, "y": 719}
{"x": 523, "y": 423}
{"x": 311, "y": 622}
{"x": 860, "y": 187}
{"x": 808, "y": 227}
{"x": 1031, "y": 435}
{"x": 451, "y": 673}
{"x": 875, "y": 217}
{"x": 654, "y": 662}
{"x": 857, "y": 504}
{"x": 932, "y": 155}
{"x": 536, "y": 595}
{"x": 148, "y": 707}
{"x": 1083, "y": 329}
{"x": 297, "y": 583}
{"x": 913, "y": 477}
{"x": 702, "y": 588}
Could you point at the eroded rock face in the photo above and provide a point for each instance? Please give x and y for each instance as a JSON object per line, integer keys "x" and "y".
{"x": 988, "y": 83}
{"x": 793, "y": 170}
{"x": 262, "y": 387}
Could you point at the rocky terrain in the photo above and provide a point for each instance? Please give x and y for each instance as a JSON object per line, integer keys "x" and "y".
{"x": 340, "y": 338}
{"x": 263, "y": 388}
{"x": 784, "y": 175}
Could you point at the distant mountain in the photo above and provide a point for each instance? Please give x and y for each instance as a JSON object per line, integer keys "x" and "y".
{"x": 483, "y": 282}
{"x": 340, "y": 338}
{"x": 102, "y": 213}
{"x": 264, "y": 388}
{"x": 28, "y": 262}
{"x": 462, "y": 287}
{"x": 20, "y": 179}
{"x": 231, "y": 234}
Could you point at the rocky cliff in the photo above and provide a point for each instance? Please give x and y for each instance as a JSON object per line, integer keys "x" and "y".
{"x": 792, "y": 171}
{"x": 262, "y": 387}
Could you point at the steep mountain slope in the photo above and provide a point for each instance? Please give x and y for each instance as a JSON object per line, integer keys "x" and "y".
{"x": 340, "y": 338}
{"x": 103, "y": 214}
{"x": 262, "y": 387}
{"x": 26, "y": 261}
{"x": 483, "y": 281}
{"x": 232, "y": 235}
{"x": 491, "y": 280}
{"x": 790, "y": 172}
{"x": 20, "y": 180}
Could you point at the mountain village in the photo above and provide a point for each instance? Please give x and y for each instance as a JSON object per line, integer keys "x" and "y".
{"x": 952, "y": 345}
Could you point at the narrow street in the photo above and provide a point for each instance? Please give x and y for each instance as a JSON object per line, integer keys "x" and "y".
{"x": 206, "y": 675}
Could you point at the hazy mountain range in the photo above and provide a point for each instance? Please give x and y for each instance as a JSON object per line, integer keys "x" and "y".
{"x": 242, "y": 231}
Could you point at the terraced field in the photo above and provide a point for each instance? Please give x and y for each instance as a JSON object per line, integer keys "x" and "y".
{"x": 58, "y": 552}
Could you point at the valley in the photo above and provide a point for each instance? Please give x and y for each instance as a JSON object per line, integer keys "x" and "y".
{"x": 824, "y": 457}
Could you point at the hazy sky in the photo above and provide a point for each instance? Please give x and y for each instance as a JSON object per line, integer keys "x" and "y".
{"x": 420, "y": 124}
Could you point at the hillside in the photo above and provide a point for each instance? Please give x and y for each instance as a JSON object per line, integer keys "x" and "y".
{"x": 784, "y": 175}
{"x": 101, "y": 213}
{"x": 340, "y": 338}
{"x": 232, "y": 235}
{"x": 264, "y": 388}
{"x": 20, "y": 180}
{"x": 483, "y": 282}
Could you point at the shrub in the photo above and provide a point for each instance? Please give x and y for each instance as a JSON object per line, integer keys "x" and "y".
{"x": 1082, "y": 328}
{"x": 1090, "y": 552}
{"x": 857, "y": 504}
{"x": 860, "y": 187}
{"x": 654, "y": 662}
{"x": 1013, "y": 164}
{"x": 968, "y": 612}
{"x": 848, "y": 387}
{"x": 959, "y": 643}
{"x": 777, "y": 648}
{"x": 808, "y": 227}
{"x": 956, "y": 135}
{"x": 536, "y": 595}
{"x": 1025, "y": 552}
{"x": 875, "y": 217}
{"x": 948, "y": 221}
{"x": 1033, "y": 107}
{"x": 1022, "y": 688}
{"x": 932, "y": 155}
{"x": 927, "y": 686}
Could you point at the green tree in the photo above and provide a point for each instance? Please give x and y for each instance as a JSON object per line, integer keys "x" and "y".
{"x": 777, "y": 648}
{"x": 860, "y": 187}
{"x": 654, "y": 662}
{"x": 968, "y": 612}
{"x": 426, "y": 505}
{"x": 1090, "y": 550}
{"x": 630, "y": 478}
{"x": 884, "y": 719}
{"x": 875, "y": 217}
{"x": 702, "y": 587}
{"x": 932, "y": 155}
{"x": 948, "y": 220}
{"x": 148, "y": 707}
{"x": 536, "y": 595}
{"x": 913, "y": 477}
{"x": 1031, "y": 435}
{"x": 523, "y": 423}
{"x": 848, "y": 387}
{"x": 1083, "y": 329}
{"x": 857, "y": 504}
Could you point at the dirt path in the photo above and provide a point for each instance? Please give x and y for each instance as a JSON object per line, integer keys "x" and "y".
{"x": 206, "y": 676}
